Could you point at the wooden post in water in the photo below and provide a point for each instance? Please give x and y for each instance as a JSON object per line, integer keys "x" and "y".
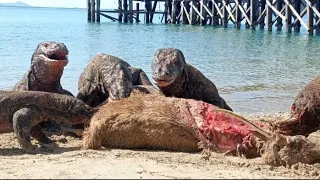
{"x": 248, "y": 12}
{"x": 178, "y": 12}
{"x": 193, "y": 14}
{"x": 215, "y": 18}
{"x": 170, "y": 10}
{"x": 262, "y": 8}
{"x": 120, "y": 9}
{"x": 130, "y": 11}
{"x": 166, "y": 12}
{"x": 98, "y": 11}
{"x": 297, "y": 7}
{"x": 185, "y": 13}
{"x": 148, "y": 6}
{"x": 89, "y": 9}
{"x": 173, "y": 12}
{"x": 203, "y": 12}
{"x": 289, "y": 18}
{"x": 279, "y": 20}
{"x": 317, "y": 17}
{"x": 210, "y": 6}
{"x": 269, "y": 17}
{"x": 225, "y": 13}
{"x": 253, "y": 14}
{"x": 238, "y": 15}
{"x": 138, "y": 10}
{"x": 310, "y": 19}
{"x": 153, "y": 10}
{"x": 93, "y": 11}
{"x": 125, "y": 10}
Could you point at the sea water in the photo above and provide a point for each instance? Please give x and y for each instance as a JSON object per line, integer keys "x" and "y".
{"x": 256, "y": 71}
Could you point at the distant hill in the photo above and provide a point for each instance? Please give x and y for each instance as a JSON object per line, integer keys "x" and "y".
{"x": 18, "y": 4}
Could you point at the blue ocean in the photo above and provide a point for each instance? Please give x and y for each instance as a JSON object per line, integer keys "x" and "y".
{"x": 256, "y": 71}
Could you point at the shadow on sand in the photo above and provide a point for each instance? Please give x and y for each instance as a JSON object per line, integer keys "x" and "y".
{"x": 42, "y": 150}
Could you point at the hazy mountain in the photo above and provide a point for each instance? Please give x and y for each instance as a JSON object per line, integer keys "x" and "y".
{"x": 18, "y": 3}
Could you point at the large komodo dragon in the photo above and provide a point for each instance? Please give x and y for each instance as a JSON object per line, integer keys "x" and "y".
{"x": 110, "y": 78}
{"x": 305, "y": 112}
{"x": 47, "y": 65}
{"x": 21, "y": 111}
{"x": 176, "y": 78}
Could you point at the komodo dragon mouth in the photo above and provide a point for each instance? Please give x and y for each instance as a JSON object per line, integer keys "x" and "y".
{"x": 54, "y": 54}
{"x": 58, "y": 57}
{"x": 163, "y": 82}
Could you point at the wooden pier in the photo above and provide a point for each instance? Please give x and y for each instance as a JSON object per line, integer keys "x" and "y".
{"x": 263, "y": 14}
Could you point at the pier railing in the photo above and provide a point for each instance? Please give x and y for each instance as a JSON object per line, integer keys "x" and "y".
{"x": 294, "y": 14}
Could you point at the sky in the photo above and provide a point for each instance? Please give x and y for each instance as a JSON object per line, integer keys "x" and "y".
{"x": 105, "y": 4}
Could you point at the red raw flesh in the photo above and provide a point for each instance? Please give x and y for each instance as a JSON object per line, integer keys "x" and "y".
{"x": 222, "y": 130}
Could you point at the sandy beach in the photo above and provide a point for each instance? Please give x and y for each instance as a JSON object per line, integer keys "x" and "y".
{"x": 70, "y": 161}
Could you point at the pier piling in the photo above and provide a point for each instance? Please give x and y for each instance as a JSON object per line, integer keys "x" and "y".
{"x": 93, "y": 11}
{"x": 98, "y": 11}
{"x": 294, "y": 13}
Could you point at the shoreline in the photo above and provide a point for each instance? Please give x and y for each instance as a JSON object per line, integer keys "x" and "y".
{"x": 267, "y": 116}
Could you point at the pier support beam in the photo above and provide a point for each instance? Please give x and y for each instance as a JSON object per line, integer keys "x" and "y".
{"x": 248, "y": 13}
{"x": 203, "y": 12}
{"x": 170, "y": 11}
{"x": 269, "y": 17}
{"x": 193, "y": 14}
{"x": 310, "y": 19}
{"x": 174, "y": 12}
{"x": 317, "y": 17}
{"x": 98, "y": 11}
{"x": 262, "y": 8}
{"x": 178, "y": 12}
{"x": 166, "y": 11}
{"x": 120, "y": 9}
{"x": 288, "y": 18}
{"x": 153, "y": 10}
{"x": 210, "y": 6}
{"x": 238, "y": 15}
{"x": 93, "y": 11}
{"x": 225, "y": 13}
{"x": 138, "y": 9}
{"x": 184, "y": 12}
{"x": 253, "y": 14}
{"x": 148, "y": 7}
{"x": 297, "y": 7}
{"x": 279, "y": 20}
{"x": 125, "y": 9}
{"x": 89, "y": 9}
{"x": 130, "y": 11}
{"x": 215, "y": 17}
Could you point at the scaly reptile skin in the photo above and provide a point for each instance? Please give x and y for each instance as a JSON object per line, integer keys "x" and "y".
{"x": 175, "y": 77}
{"x": 108, "y": 78}
{"x": 22, "y": 111}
